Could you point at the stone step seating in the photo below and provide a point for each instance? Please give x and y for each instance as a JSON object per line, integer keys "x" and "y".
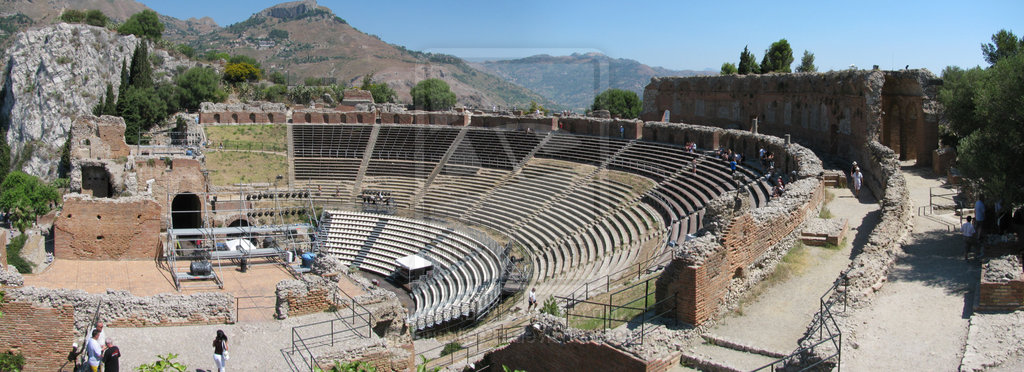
{"x": 524, "y": 194}
{"x": 326, "y": 169}
{"x": 581, "y": 149}
{"x": 399, "y": 168}
{"x": 496, "y": 149}
{"x": 402, "y": 188}
{"x": 330, "y": 141}
{"x": 466, "y": 274}
{"x": 419, "y": 143}
{"x": 327, "y": 192}
{"x": 451, "y": 195}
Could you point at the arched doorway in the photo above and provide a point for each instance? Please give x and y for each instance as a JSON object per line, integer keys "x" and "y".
{"x": 186, "y": 211}
{"x": 241, "y": 222}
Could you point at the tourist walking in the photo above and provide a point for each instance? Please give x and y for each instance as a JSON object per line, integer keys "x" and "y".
{"x": 858, "y": 179}
{"x": 111, "y": 355}
{"x": 979, "y": 215}
{"x": 532, "y": 299}
{"x": 968, "y": 231}
{"x": 220, "y": 350}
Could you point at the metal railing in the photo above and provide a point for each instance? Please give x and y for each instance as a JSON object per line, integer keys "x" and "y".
{"x": 826, "y": 328}
{"x": 606, "y": 283}
{"x": 470, "y": 345}
{"x": 636, "y": 309}
{"x": 342, "y": 325}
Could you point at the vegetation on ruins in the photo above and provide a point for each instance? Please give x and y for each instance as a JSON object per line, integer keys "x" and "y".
{"x": 25, "y": 197}
{"x": 164, "y": 363}
{"x": 14, "y": 257}
{"x": 277, "y": 77}
{"x": 381, "y": 91}
{"x": 11, "y": 361}
{"x": 807, "y": 63}
{"x": 984, "y": 108}
{"x": 432, "y": 95}
{"x": 551, "y": 307}
{"x": 144, "y": 24}
{"x": 535, "y": 107}
{"x": 748, "y": 63}
{"x": 90, "y": 17}
{"x": 778, "y": 58}
{"x": 352, "y": 366}
{"x": 620, "y": 103}
{"x": 451, "y": 348}
{"x": 728, "y": 68}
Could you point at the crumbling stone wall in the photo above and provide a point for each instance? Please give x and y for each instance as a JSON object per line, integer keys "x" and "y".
{"x": 836, "y": 112}
{"x": 99, "y": 156}
{"x": 224, "y": 113}
{"x": 631, "y": 129}
{"x": 547, "y": 344}
{"x": 107, "y": 229}
{"x": 702, "y": 271}
{"x": 537, "y": 123}
{"x": 170, "y": 177}
{"x": 42, "y": 334}
{"x": 122, "y": 309}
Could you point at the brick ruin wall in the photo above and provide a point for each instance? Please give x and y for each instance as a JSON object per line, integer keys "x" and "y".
{"x": 701, "y": 280}
{"x": 221, "y": 113}
{"x": 107, "y": 229}
{"x": 42, "y": 323}
{"x": 1001, "y": 296}
{"x": 835, "y": 113}
{"x": 179, "y": 176}
{"x": 98, "y": 156}
{"x": 43, "y": 335}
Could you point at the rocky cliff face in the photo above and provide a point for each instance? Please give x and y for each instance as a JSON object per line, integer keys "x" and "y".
{"x": 54, "y": 74}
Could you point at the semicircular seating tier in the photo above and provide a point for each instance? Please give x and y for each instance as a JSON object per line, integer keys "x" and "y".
{"x": 580, "y": 206}
{"x": 464, "y": 282}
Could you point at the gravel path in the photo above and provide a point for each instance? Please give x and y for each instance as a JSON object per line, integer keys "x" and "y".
{"x": 918, "y": 320}
{"x": 254, "y": 346}
{"x": 781, "y": 313}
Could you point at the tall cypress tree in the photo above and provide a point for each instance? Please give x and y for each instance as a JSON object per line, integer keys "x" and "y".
{"x": 748, "y": 63}
{"x": 141, "y": 74}
{"x": 110, "y": 105}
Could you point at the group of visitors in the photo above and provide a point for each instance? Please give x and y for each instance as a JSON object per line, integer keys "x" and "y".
{"x": 691, "y": 147}
{"x": 767, "y": 159}
{"x": 778, "y": 188}
{"x": 100, "y": 351}
{"x": 975, "y": 228}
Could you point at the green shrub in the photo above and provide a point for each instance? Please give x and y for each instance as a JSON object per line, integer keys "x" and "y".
{"x": 9, "y": 361}
{"x": 165, "y": 363}
{"x": 451, "y": 348}
{"x": 14, "y": 256}
{"x": 551, "y": 307}
{"x": 63, "y": 60}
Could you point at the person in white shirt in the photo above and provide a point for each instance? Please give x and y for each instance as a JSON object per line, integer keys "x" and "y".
{"x": 532, "y": 299}
{"x": 94, "y": 351}
{"x": 969, "y": 233}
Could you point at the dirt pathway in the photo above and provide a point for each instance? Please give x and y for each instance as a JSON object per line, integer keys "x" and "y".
{"x": 781, "y": 312}
{"x": 918, "y": 320}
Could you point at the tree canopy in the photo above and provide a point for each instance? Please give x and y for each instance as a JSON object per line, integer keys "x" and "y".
{"x": 198, "y": 85}
{"x": 25, "y": 197}
{"x": 432, "y": 95}
{"x": 748, "y": 63}
{"x": 985, "y": 112}
{"x": 145, "y": 24}
{"x": 807, "y": 63}
{"x": 620, "y": 103}
{"x": 241, "y": 71}
{"x": 1004, "y": 44}
{"x": 381, "y": 91}
{"x": 728, "y": 68}
{"x": 778, "y": 58}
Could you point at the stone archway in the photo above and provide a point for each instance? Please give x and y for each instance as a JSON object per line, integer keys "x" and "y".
{"x": 186, "y": 211}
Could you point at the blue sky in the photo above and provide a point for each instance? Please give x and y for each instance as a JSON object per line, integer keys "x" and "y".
{"x": 671, "y": 34}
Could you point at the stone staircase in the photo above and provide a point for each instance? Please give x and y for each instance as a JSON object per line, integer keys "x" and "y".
{"x": 418, "y": 198}
{"x": 367, "y": 154}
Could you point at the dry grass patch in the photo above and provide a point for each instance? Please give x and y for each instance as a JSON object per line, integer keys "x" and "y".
{"x": 268, "y": 135}
{"x": 231, "y": 167}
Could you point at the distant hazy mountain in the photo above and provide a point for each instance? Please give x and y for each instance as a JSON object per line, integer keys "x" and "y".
{"x": 574, "y": 80}
{"x": 308, "y": 40}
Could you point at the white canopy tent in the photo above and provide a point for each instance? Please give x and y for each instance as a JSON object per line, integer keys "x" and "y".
{"x": 413, "y": 266}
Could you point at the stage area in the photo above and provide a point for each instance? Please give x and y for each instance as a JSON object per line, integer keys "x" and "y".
{"x": 253, "y": 290}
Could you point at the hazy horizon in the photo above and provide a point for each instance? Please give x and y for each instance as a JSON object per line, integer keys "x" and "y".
{"x": 697, "y": 36}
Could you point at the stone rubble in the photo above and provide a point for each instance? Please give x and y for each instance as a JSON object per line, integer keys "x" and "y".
{"x": 11, "y": 277}
{"x": 1001, "y": 269}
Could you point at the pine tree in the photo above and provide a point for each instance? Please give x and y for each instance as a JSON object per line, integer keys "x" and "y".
{"x": 124, "y": 79}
